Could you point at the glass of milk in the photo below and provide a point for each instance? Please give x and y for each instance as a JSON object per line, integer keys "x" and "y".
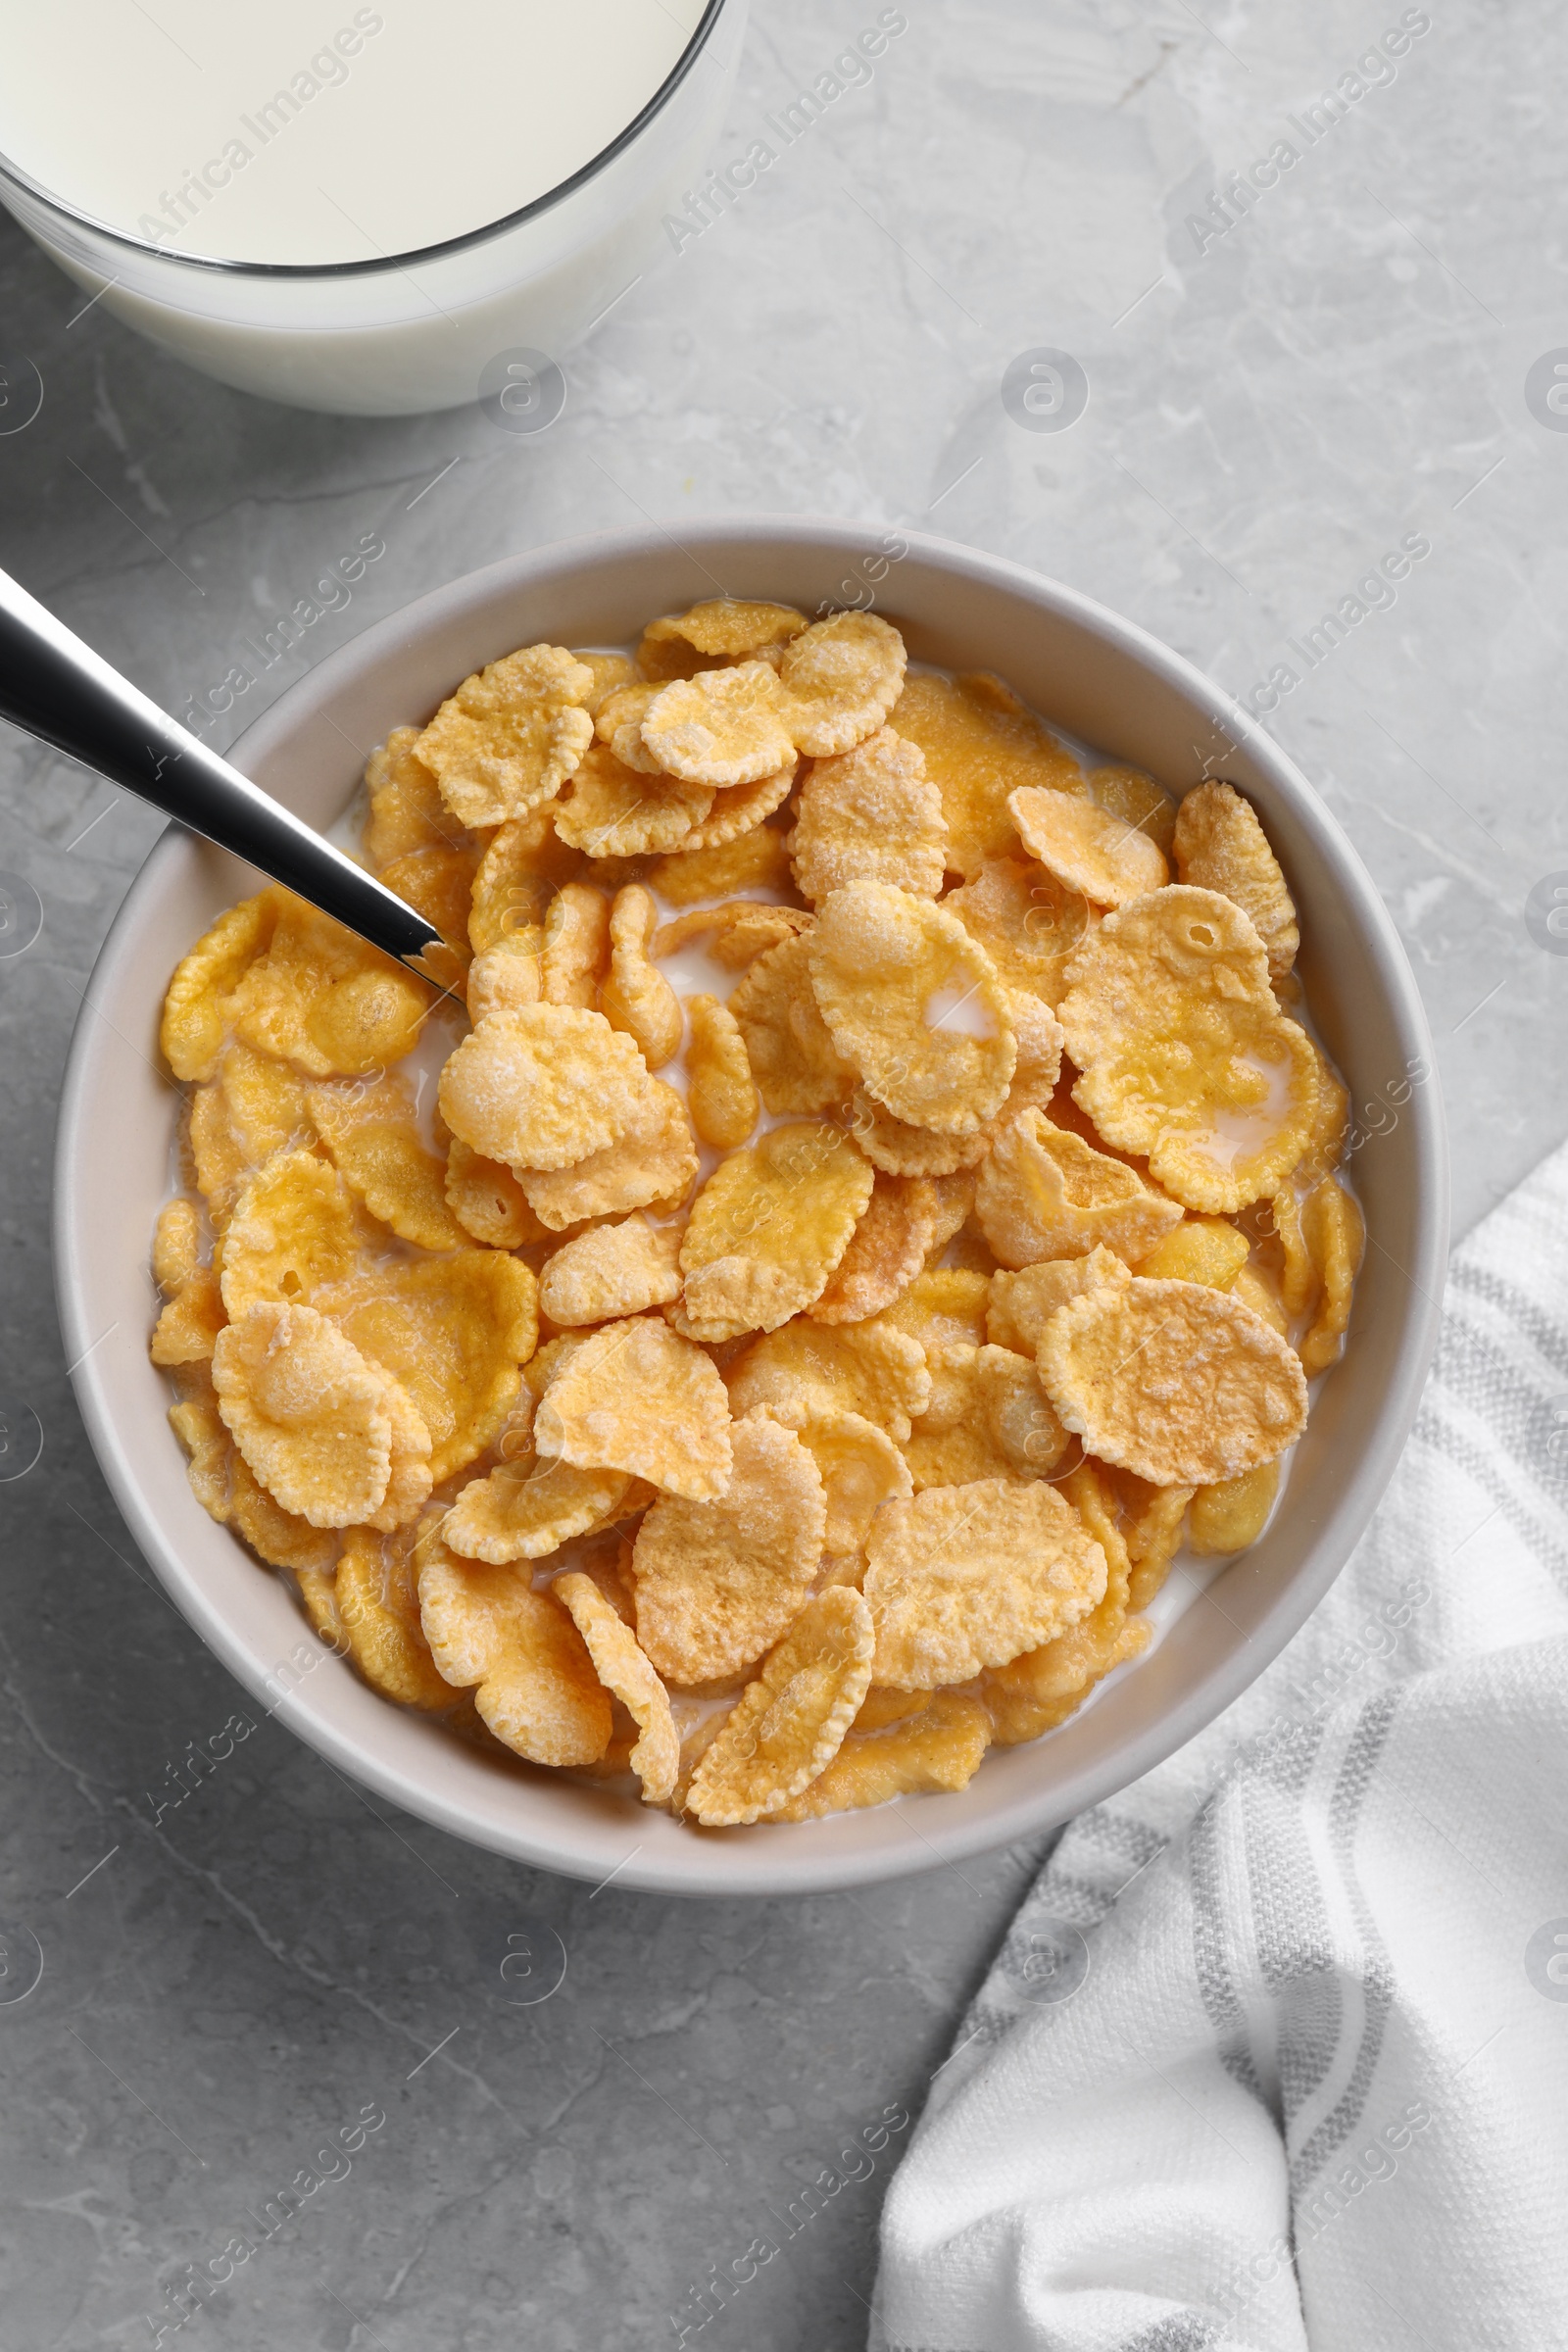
{"x": 374, "y": 210}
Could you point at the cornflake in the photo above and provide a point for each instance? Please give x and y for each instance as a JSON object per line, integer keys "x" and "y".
{"x": 900, "y": 1149}
{"x": 488, "y": 1201}
{"x": 936, "y": 1746}
{"x": 375, "y": 1615}
{"x": 1181, "y": 1384}
{"x": 729, "y": 627}
{"x": 311, "y": 1418}
{"x": 840, "y": 679}
{"x": 527, "y": 1508}
{"x": 294, "y": 1228}
{"x": 511, "y": 735}
{"x": 871, "y": 815}
{"x": 541, "y": 1087}
{"x": 1221, "y": 846}
{"x": 886, "y": 1249}
{"x": 198, "y": 1006}
{"x": 738, "y": 807}
{"x": 651, "y": 1165}
{"x": 407, "y": 810}
{"x": 518, "y": 1650}
{"x": 1043, "y": 1193}
{"x": 1171, "y": 1019}
{"x": 254, "y": 1108}
{"x": 611, "y": 1272}
{"x": 724, "y": 726}
{"x": 970, "y": 1576}
{"x": 794, "y": 1060}
{"x": 613, "y": 811}
{"x": 325, "y": 1000}
{"x": 1022, "y": 1304}
{"x": 859, "y": 1466}
{"x": 636, "y": 997}
{"x": 790, "y": 1723}
{"x": 624, "y": 1670}
{"x": 1086, "y": 849}
{"x": 1127, "y": 793}
{"x": 1027, "y": 922}
{"x": 722, "y": 1095}
{"x": 868, "y": 1368}
{"x": 914, "y": 1005}
{"x": 736, "y": 933}
{"x": 636, "y": 1397}
{"x": 767, "y": 1229}
{"x": 981, "y": 743}
{"x": 194, "y": 1316}
{"x": 718, "y": 1582}
{"x": 576, "y": 954}
{"x": 756, "y": 859}
{"x": 518, "y": 878}
{"x": 373, "y": 1138}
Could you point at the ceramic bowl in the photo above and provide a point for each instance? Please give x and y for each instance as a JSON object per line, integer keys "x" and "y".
{"x": 1097, "y": 676}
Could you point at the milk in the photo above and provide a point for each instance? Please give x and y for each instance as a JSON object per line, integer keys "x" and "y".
{"x": 282, "y": 196}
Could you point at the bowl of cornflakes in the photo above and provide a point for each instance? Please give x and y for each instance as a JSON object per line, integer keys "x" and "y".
{"x": 875, "y": 1298}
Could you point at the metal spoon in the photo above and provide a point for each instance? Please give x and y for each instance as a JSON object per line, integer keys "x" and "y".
{"x": 54, "y": 687}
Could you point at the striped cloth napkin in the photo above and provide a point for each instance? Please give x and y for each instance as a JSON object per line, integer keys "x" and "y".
{"x": 1276, "y": 2052}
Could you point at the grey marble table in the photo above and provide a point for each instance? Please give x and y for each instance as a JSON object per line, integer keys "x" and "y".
{"x": 1351, "y": 352}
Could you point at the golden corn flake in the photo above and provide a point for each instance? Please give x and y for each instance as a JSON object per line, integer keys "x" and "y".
{"x": 954, "y": 1199}
{"x": 576, "y": 954}
{"x": 453, "y": 1331}
{"x": 636, "y": 1397}
{"x": 944, "y": 1307}
{"x": 294, "y": 1228}
{"x": 511, "y": 735}
{"x": 768, "y": 1227}
{"x": 533, "y": 1680}
{"x": 609, "y": 672}
{"x": 1330, "y": 1122}
{"x": 1042, "y": 1194}
{"x": 517, "y": 877}
{"x": 198, "y": 1006}
{"x": 542, "y": 1085}
{"x": 624, "y": 1670}
{"x": 1027, "y": 922}
{"x": 861, "y": 1469}
{"x": 283, "y": 1539}
{"x": 951, "y": 1444}
{"x": 254, "y": 1108}
{"x": 194, "y": 1314}
{"x": 718, "y": 1582}
{"x": 736, "y": 933}
{"x": 1181, "y": 1384}
{"x": 1154, "y": 1535}
{"x": 1022, "y": 1304}
{"x": 610, "y": 1272}
{"x": 724, "y": 726}
{"x": 740, "y": 808}
{"x": 871, "y": 815}
{"x": 407, "y": 810}
{"x": 840, "y": 679}
{"x": 970, "y": 1576}
{"x": 1335, "y": 1233}
{"x": 1171, "y": 1019}
{"x": 1086, "y": 849}
{"x": 613, "y": 811}
{"x": 375, "y": 1598}
{"x": 652, "y": 1165}
{"x": 326, "y": 1000}
{"x": 1204, "y": 1250}
{"x": 506, "y": 975}
{"x": 756, "y": 859}
{"x": 527, "y": 1508}
{"x": 900, "y": 1149}
{"x": 935, "y": 1746}
{"x": 981, "y": 743}
{"x": 794, "y": 1060}
{"x": 1229, "y": 1517}
{"x": 439, "y": 882}
{"x": 1018, "y": 1418}
{"x": 1258, "y": 1288}
{"x": 722, "y": 1095}
{"x": 1134, "y": 796}
{"x": 914, "y": 1004}
{"x": 618, "y": 725}
{"x": 1039, "y": 1691}
{"x": 636, "y": 997}
{"x": 1038, "y": 1069}
{"x": 309, "y": 1414}
{"x": 373, "y": 1137}
{"x": 790, "y": 1723}
{"x": 886, "y": 1249}
{"x": 488, "y": 1201}
{"x": 1221, "y": 846}
{"x": 868, "y": 1368}
{"x": 729, "y": 627}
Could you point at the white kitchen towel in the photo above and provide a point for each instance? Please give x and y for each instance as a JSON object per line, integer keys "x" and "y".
{"x": 1276, "y": 2053}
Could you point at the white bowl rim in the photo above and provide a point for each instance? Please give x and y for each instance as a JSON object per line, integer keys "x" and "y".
{"x": 727, "y": 1868}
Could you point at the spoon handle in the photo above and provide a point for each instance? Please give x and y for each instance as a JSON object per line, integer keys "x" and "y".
{"x": 54, "y": 687}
